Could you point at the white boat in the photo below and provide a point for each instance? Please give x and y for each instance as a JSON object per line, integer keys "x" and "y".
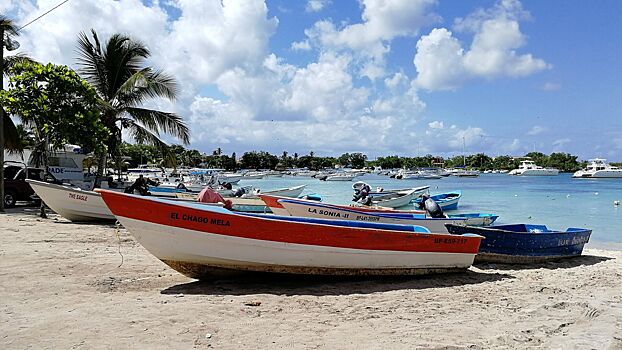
{"x": 146, "y": 171}
{"x": 314, "y": 209}
{"x": 417, "y": 175}
{"x": 253, "y": 175}
{"x": 341, "y": 177}
{"x": 72, "y": 203}
{"x": 529, "y": 168}
{"x": 207, "y": 242}
{"x": 395, "y": 199}
{"x": 230, "y": 178}
{"x": 465, "y": 173}
{"x": 292, "y": 192}
{"x": 598, "y": 168}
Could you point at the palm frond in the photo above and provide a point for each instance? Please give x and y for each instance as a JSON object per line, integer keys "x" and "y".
{"x": 91, "y": 63}
{"x": 8, "y": 26}
{"x": 146, "y": 84}
{"x": 11, "y": 135}
{"x": 170, "y": 123}
{"x": 10, "y": 61}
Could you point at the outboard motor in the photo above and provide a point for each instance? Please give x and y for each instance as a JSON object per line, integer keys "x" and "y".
{"x": 431, "y": 207}
{"x": 239, "y": 192}
{"x": 361, "y": 191}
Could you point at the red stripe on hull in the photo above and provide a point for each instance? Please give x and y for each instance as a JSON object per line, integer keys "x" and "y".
{"x": 268, "y": 229}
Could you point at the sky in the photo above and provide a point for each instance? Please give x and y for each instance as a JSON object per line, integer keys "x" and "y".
{"x": 381, "y": 77}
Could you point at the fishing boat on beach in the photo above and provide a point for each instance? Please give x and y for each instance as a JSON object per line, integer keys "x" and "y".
{"x": 204, "y": 242}
{"x": 314, "y": 209}
{"x": 72, "y": 203}
{"x": 278, "y": 205}
{"x": 447, "y": 201}
{"x": 525, "y": 243}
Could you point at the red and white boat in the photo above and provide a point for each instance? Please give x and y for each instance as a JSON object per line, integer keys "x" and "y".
{"x": 205, "y": 241}
{"x": 315, "y": 209}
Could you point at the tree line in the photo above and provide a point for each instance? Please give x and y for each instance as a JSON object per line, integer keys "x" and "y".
{"x": 177, "y": 156}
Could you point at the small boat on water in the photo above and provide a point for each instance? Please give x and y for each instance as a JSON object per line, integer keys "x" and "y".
{"x": 340, "y": 177}
{"x": 205, "y": 241}
{"x": 525, "y": 243}
{"x": 598, "y": 168}
{"x": 72, "y": 203}
{"x": 447, "y": 201}
{"x": 529, "y": 168}
{"x": 419, "y": 191}
{"x": 315, "y": 209}
{"x": 394, "y": 199}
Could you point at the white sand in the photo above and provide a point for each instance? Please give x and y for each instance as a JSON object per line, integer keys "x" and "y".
{"x": 61, "y": 287}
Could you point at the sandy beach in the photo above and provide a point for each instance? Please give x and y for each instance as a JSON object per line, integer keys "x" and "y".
{"x": 77, "y": 286}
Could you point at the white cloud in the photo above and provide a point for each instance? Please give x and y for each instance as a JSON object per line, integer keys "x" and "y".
{"x": 443, "y": 64}
{"x": 382, "y": 21}
{"x": 535, "y": 130}
{"x": 316, "y": 5}
{"x": 439, "y": 61}
{"x": 436, "y": 125}
{"x": 301, "y": 45}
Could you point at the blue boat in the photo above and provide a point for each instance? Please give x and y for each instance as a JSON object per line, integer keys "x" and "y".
{"x": 447, "y": 201}
{"x": 525, "y": 243}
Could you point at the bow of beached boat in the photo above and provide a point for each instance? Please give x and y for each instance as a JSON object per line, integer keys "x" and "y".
{"x": 72, "y": 203}
{"x": 202, "y": 241}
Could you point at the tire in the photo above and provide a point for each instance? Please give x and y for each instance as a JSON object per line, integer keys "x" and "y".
{"x": 10, "y": 198}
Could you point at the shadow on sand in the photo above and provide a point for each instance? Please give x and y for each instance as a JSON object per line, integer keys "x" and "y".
{"x": 279, "y": 284}
{"x": 583, "y": 260}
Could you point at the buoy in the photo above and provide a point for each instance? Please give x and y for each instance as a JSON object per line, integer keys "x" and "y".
{"x": 567, "y": 195}
{"x": 596, "y": 193}
{"x": 515, "y": 195}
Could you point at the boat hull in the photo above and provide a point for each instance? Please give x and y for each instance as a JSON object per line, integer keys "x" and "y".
{"x": 323, "y": 211}
{"x": 525, "y": 247}
{"x": 204, "y": 243}
{"x": 72, "y": 204}
{"x": 447, "y": 201}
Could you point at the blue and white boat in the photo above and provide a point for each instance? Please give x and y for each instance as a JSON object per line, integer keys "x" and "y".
{"x": 525, "y": 243}
{"x": 447, "y": 201}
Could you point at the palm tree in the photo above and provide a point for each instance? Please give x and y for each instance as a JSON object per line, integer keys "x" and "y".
{"x": 123, "y": 82}
{"x": 12, "y": 141}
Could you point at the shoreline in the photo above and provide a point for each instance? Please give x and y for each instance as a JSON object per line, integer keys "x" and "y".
{"x": 66, "y": 285}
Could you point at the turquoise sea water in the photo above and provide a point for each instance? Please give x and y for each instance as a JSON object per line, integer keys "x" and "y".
{"x": 556, "y": 201}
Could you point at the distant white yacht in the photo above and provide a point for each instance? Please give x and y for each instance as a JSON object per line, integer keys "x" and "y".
{"x": 529, "y": 168}
{"x": 598, "y": 168}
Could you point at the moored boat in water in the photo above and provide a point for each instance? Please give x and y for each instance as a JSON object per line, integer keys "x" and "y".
{"x": 525, "y": 243}
{"x": 447, "y": 201}
{"x": 598, "y": 168}
{"x": 529, "y": 168}
{"x": 211, "y": 241}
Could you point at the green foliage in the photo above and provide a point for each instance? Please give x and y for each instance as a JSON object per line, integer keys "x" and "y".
{"x": 124, "y": 83}
{"x": 258, "y": 160}
{"x": 60, "y": 106}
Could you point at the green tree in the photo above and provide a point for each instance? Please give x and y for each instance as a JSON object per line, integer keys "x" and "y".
{"x": 124, "y": 83}
{"x": 357, "y": 160}
{"x": 54, "y": 102}
{"x": 58, "y": 105}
